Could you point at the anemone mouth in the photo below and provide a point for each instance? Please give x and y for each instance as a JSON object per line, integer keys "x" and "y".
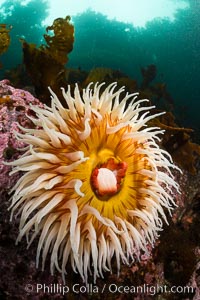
{"x": 95, "y": 182}
{"x": 107, "y": 178}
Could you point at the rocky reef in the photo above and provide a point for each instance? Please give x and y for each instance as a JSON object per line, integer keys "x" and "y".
{"x": 14, "y": 105}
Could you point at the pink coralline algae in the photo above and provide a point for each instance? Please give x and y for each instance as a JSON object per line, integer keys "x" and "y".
{"x": 14, "y": 106}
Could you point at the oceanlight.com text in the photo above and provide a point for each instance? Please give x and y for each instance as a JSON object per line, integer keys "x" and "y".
{"x": 112, "y": 288}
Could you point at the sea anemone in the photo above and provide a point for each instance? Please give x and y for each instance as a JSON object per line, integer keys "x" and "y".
{"x": 95, "y": 183}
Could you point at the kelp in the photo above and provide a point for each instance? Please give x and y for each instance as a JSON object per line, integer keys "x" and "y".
{"x": 148, "y": 75}
{"x": 99, "y": 74}
{"x": 61, "y": 43}
{"x": 4, "y": 38}
{"x": 177, "y": 141}
{"x": 46, "y": 64}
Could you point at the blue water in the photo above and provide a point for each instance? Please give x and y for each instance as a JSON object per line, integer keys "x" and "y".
{"x": 172, "y": 46}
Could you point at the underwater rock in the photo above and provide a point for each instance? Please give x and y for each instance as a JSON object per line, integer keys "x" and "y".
{"x": 14, "y": 105}
{"x": 19, "y": 77}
